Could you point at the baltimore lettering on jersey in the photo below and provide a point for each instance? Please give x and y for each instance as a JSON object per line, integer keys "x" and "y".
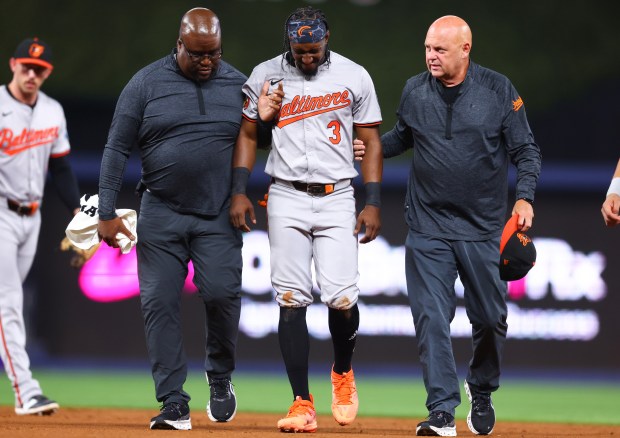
{"x": 302, "y": 107}
{"x": 12, "y": 144}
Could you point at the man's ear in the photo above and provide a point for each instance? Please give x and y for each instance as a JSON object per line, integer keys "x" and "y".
{"x": 466, "y": 48}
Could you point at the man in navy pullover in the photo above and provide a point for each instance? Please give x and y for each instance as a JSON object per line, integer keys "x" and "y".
{"x": 465, "y": 124}
{"x": 183, "y": 112}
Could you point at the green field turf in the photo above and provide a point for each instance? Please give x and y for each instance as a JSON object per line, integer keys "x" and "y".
{"x": 518, "y": 400}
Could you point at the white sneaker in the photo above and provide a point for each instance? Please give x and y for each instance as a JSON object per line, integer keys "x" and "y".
{"x": 39, "y": 404}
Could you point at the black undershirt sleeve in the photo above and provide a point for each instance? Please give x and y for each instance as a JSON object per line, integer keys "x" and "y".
{"x": 65, "y": 182}
{"x": 264, "y": 134}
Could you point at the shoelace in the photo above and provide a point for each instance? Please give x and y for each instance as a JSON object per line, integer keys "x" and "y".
{"x": 439, "y": 416}
{"x": 221, "y": 388}
{"x": 300, "y": 407}
{"x": 481, "y": 403}
{"x": 172, "y": 407}
{"x": 343, "y": 388}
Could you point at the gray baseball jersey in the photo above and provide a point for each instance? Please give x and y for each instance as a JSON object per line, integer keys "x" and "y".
{"x": 29, "y": 136}
{"x": 314, "y": 133}
{"x": 312, "y": 143}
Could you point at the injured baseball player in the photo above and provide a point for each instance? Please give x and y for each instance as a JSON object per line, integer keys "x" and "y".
{"x": 314, "y": 100}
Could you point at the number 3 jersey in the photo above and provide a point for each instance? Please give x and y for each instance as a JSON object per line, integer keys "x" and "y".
{"x": 313, "y": 133}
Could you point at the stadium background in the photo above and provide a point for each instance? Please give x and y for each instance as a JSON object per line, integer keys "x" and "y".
{"x": 561, "y": 56}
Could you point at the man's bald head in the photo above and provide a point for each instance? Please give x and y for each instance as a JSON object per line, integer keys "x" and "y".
{"x": 199, "y": 21}
{"x": 199, "y": 47}
{"x": 448, "y": 43}
{"x": 452, "y": 27}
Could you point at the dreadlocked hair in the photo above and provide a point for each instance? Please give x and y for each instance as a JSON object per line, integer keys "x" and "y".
{"x": 305, "y": 13}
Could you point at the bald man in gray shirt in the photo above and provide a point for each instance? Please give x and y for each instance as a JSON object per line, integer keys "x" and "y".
{"x": 183, "y": 112}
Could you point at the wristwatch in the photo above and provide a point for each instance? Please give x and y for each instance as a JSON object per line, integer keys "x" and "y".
{"x": 528, "y": 200}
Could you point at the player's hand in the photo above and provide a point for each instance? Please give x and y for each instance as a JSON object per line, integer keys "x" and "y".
{"x": 610, "y": 210}
{"x": 269, "y": 103}
{"x": 526, "y": 214}
{"x": 370, "y": 220}
{"x": 107, "y": 231}
{"x": 240, "y": 207}
{"x": 359, "y": 149}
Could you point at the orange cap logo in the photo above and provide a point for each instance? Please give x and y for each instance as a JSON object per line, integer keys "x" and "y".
{"x": 300, "y": 31}
{"x": 517, "y": 104}
{"x": 36, "y": 50}
{"x": 523, "y": 239}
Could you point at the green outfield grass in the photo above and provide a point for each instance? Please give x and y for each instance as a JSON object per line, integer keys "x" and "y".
{"x": 518, "y": 400}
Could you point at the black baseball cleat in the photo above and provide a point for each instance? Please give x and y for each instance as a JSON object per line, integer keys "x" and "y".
{"x": 173, "y": 416}
{"x": 481, "y": 416}
{"x": 38, "y": 405}
{"x": 222, "y": 404}
{"x": 438, "y": 423}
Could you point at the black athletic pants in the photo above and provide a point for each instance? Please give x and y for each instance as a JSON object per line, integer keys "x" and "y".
{"x": 432, "y": 265}
{"x": 167, "y": 241}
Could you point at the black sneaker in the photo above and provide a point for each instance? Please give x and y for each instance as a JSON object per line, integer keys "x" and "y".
{"x": 481, "y": 417}
{"x": 222, "y": 404}
{"x": 438, "y": 423}
{"x": 173, "y": 416}
{"x": 39, "y": 405}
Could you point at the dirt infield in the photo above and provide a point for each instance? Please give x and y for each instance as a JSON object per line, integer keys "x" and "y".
{"x": 125, "y": 423}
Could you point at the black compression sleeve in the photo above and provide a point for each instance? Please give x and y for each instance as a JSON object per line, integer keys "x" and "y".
{"x": 373, "y": 193}
{"x": 240, "y": 176}
{"x": 65, "y": 182}
{"x": 263, "y": 134}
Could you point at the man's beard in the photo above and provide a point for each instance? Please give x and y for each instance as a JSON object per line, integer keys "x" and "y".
{"x": 309, "y": 74}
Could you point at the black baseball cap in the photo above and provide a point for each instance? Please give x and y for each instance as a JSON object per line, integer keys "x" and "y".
{"x": 517, "y": 252}
{"x": 34, "y": 51}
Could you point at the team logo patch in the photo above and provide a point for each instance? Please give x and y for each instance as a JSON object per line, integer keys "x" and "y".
{"x": 524, "y": 239}
{"x": 300, "y": 31}
{"x": 517, "y": 104}
{"x": 36, "y": 50}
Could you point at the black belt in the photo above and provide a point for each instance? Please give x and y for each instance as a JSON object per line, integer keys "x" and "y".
{"x": 314, "y": 189}
{"x": 22, "y": 208}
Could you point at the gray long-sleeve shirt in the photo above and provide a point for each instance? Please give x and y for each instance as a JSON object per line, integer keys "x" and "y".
{"x": 458, "y": 180}
{"x": 185, "y": 131}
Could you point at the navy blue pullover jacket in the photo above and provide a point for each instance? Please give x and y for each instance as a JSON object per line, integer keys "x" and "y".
{"x": 458, "y": 182}
{"x": 185, "y": 131}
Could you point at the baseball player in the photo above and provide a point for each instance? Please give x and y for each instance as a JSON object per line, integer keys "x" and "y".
{"x": 314, "y": 98}
{"x": 33, "y": 136}
{"x": 611, "y": 205}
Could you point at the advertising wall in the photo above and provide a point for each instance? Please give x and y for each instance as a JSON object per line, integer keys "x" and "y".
{"x": 563, "y": 314}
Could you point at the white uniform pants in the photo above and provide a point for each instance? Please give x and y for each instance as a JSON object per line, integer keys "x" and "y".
{"x": 18, "y": 245}
{"x": 304, "y": 228}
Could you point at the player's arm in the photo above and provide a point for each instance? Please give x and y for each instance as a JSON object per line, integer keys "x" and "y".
{"x": 372, "y": 171}
{"x": 394, "y": 142}
{"x": 65, "y": 182}
{"x": 244, "y": 158}
{"x": 611, "y": 206}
